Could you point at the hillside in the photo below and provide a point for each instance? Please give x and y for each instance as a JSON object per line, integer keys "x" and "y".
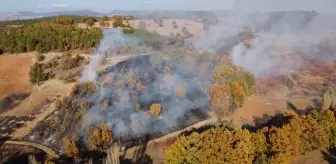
{"x": 203, "y": 89}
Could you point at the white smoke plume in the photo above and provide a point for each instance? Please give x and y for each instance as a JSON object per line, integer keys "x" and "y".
{"x": 122, "y": 117}
{"x": 281, "y": 41}
{"x": 112, "y": 40}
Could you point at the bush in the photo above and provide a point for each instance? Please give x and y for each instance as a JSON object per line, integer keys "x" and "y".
{"x": 70, "y": 146}
{"x": 138, "y": 107}
{"x": 37, "y": 74}
{"x": 174, "y": 24}
{"x": 69, "y": 62}
{"x": 85, "y": 105}
{"x": 227, "y": 82}
{"x": 106, "y": 104}
{"x": 155, "y": 109}
{"x": 118, "y": 22}
{"x": 100, "y": 139}
{"x": 185, "y": 30}
{"x": 103, "y": 23}
{"x": 65, "y": 20}
{"x": 40, "y": 57}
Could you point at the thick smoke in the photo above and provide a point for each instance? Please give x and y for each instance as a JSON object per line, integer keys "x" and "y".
{"x": 267, "y": 44}
{"x": 279, "y": 42}
{"x": 160, "y": 88}
{"x": 112, "y": 40}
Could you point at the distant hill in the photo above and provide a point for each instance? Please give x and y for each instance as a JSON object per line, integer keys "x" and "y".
{"x": 30, "y": 15}
{"x": 148, "y": 14}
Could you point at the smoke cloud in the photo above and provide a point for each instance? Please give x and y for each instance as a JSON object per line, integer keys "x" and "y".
{"x": 267, "y": 44}
{"x": 152, "y": 83}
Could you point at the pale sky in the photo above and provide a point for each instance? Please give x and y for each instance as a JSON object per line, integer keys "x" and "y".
{"x": 109, "y": 5}
{"x": 323, "y": 6}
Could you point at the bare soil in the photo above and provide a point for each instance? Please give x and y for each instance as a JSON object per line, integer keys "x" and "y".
{"x": 14, "y": 73}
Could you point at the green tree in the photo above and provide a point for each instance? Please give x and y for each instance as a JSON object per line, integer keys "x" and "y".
{"x": 118, "y": 22}
{"x": 65, "y": 20}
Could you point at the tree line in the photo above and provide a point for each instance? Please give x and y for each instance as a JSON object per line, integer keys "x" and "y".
{"x": 51, "y": 19}
{"x": 285, "y": 137}
{"x": 44, "y": 37}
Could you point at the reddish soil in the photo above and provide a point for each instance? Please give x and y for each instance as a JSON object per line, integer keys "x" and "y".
{"x": 14, "y": 74}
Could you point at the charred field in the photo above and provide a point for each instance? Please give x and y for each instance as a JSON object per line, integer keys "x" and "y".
{"x": 123, "y": 96}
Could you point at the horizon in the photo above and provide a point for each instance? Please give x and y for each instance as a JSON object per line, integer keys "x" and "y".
{"x": 41, "y": 6}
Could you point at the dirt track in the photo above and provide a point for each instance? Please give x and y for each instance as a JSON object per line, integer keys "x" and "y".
{"x": 47, "y": 150}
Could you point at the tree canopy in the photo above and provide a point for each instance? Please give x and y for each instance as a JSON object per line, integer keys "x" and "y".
{"x": 270, "y": 144}
{"x": 44, "y": 37}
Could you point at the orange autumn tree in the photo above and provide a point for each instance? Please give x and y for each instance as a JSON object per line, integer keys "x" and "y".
{"x": 155, "y": 109}
{"x": 269, "y": 145}
{"x": 100, "y": 139}
{"x": 230, "y": 87}
{"x": 70, "y": 146}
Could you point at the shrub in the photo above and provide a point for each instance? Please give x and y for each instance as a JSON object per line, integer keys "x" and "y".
{"x": 138, "y": 107}
{"x": 40, "y": 57}
{"x": 106, "y": 104}
{"x": 174, "y": 24}
{"x": 85, "y": 105}
{"x": 103, "y": 23}
{"x": 69, "y": 62}
{"x": 185, "y": 30}
{"x": 78, "y": 115}
{"x": 37, "y": 74}
{"x": 65, "y": 20}
{"x": 155, "y": 109}
{"x": 227, "y": 82}
{"x": 118, "y": 22}
{"x": 167, "y": 70}
{"x": 100, "y": 139}
{"x": 90, "y": 22}
{"x": 70, "y": 146}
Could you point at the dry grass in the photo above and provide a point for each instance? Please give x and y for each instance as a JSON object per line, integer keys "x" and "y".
{"x": 195, "y": 28}
{"x": 50, "y": 89}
